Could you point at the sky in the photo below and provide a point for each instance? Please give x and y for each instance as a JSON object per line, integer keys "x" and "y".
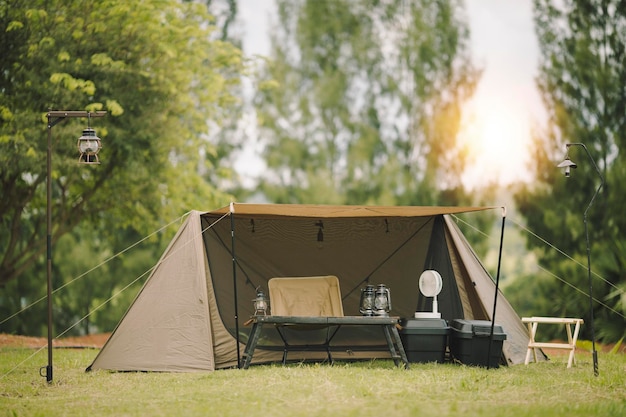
{"x": 506, "y": 105}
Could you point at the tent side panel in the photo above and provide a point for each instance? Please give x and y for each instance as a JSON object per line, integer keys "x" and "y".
{"x": 473, "y": 309}
{"x": 438, "y": 258}
{"x": 224, "y": 343}
{"x": 167, "y": 327}
{"x": 515, "y": 346}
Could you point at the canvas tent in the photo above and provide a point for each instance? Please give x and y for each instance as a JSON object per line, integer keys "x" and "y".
{"x": 190, "y": 313}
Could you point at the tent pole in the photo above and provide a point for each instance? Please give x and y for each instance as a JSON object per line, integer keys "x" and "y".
{"x": 232, "y": 240}
{"x": 495, "y": 297}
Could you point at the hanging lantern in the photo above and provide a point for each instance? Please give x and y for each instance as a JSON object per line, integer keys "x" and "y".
{"x": 382, "y": 301}
{"x": 261, "y": 303}
{"x": 366, "y": 305}
{"x": 88, "y": 146}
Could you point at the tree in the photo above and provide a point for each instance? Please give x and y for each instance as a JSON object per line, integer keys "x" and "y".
{"x": 155, "y": 67}
{"x": 361, "y": 102}
{"x": 583, "y": 65}
{"x": 225, "y": 12}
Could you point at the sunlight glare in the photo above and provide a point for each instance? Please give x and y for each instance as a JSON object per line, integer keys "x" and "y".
{"x": 497, "y": 135}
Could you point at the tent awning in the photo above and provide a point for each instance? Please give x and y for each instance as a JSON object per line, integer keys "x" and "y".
{"x": 337, "y": 211}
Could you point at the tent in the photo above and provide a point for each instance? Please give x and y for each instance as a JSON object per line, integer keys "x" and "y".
{"x": 190, "y": 314}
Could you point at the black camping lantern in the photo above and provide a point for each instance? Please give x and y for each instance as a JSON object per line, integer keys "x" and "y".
{"x": 382, "y": 301}
{"x": 366, "y": 305}
{"x": 261, "y": 303}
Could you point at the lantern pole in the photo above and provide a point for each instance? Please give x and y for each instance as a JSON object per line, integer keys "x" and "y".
{"x": 568, "y": 164}
{"x": 54, "y": 117}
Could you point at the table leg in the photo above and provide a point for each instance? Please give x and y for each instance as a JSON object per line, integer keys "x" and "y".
{"x": 393, "y": 340}
{"x": 572, "y": 341}
{"x": 329, "y": 338}
{"x": 534, "y": 334}
{"x": 251, "y": 345}
{"x": 530, "y": 343}
{"x": 285, "y": 344}
{"x": 396, "y": 335}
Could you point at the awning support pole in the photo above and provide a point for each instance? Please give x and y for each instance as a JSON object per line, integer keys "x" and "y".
{"x": 495, "y": 297}
{"x": 232, "y": 240}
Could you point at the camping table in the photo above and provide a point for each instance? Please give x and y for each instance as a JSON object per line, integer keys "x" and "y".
{"x": 387, "y": 323}
{"x": 533, "y": 322}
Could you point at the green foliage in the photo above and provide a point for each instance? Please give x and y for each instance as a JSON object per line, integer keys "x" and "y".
{"x": 586, "y": 345}
{"x": 166, "y": 84}
{"x": 583, "y": 65}
{"x": 361, "y": 103}
{"x": 615, "y": 349}
{"x": 527, "y": 295}
{"x": 89, "y": 280}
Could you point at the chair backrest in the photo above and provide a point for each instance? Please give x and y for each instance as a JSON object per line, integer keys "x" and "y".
{"x": 306, "y": 296}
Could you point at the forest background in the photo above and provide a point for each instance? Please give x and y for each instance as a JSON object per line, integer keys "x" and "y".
{"x": 358, "y": 102}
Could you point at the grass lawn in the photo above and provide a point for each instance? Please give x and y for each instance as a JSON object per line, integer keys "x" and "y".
{"x": 360, "y": 389}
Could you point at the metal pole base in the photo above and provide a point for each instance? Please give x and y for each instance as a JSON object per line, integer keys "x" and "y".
{"x": 48, "y": 373}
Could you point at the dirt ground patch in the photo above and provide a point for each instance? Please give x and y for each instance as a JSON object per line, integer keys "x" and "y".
{"x": 98, "y": 340}
{"x": 89, "y": 341}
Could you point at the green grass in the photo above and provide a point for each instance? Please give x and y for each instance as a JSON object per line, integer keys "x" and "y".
{"x": 361, "y": 389}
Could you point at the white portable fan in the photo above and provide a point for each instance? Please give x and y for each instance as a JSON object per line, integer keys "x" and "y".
{"x": 430, "y": 285}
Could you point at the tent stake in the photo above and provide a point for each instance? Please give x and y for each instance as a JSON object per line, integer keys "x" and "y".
{"x": 232, "y": 240}
{"x": 495, "y": 297}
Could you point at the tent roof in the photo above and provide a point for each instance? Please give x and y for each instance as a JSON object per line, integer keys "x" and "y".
{"x": 336, "y": 211}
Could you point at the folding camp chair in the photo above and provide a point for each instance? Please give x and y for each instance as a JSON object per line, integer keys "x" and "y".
{"x": 318, "y": 296}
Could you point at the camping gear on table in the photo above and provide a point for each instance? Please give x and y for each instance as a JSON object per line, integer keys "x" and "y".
{"x": 366, "y": 305}
{"x": 375, "y": 300}
{"x": 187, "y": 315}
{"x": 382, "y": 300}
{"x": 261, "y": 303}
{"x": 425, "y": 340}
{"x": 470, "y": 339}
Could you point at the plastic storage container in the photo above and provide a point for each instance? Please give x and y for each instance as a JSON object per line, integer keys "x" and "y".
{"x": 469, "y": 342}
{"x": 425, "y": 340}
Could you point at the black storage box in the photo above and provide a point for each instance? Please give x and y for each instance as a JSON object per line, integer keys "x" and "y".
{"x": 469, "y": 342}
{"x": 424, "y": 340}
